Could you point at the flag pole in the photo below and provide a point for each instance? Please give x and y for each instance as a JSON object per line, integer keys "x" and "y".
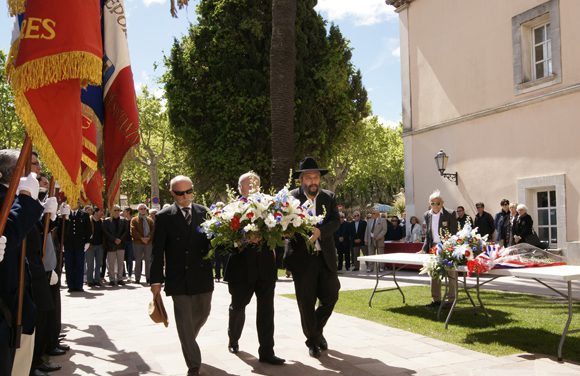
{"x": 21, "y": 164}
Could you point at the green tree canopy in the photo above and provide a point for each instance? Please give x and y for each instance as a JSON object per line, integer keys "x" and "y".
{"x": 217, "y": 87}
{"x": 11, "y": 129}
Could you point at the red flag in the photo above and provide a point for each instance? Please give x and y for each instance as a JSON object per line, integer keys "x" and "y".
{"x": 58, "y": 50}
{"x": 121, "y": 128}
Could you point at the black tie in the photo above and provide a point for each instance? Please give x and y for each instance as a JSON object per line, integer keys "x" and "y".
{"x": 373, "y": 227}
{"x": 187, "y": 213}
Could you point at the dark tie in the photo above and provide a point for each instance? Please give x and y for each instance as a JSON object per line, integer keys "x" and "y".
{"x": 373, "y": 227}
{"x": 187, "y": 213}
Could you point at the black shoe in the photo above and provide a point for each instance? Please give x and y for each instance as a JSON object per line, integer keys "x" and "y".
{"x": 434, "y": 304}
{"x": 48, "y": 367}
{"x": 273, "y": 359}
{"x": 121, "y": 283}
{"x": 37, "y": 372}
{"x": 111, "y": 283}
{"x": 314, "y": 351}
{"x": 98, "y": 284}
{"x": 233, "y": 347}
{"x": 56, "y": 352}
{"x": 91, "y": 284}
{"x": 355, "y": 270}
{"x": 63, "y": 347}
{"x": 323, "y": 344}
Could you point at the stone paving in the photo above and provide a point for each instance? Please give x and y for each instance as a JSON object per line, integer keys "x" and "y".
{"x": 110, "y": 333}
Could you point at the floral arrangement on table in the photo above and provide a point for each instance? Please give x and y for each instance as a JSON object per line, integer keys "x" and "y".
{"x": 454, "y": 250}
{"x": 521, "y": 255}
{"x": 258, "y": 219}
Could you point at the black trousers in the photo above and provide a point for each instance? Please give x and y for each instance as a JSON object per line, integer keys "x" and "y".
{"x": 315, "y": 282}
{"x": 343, "y": 255}
{"x": 241, "y": 295}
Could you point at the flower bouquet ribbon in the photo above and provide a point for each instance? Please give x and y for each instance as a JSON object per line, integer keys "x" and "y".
{"x": 517, "y": 256}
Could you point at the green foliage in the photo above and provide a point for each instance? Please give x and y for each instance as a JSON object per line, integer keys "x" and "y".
{"x": 217, "y": 87}
{"x": 11, "y": 129}
{"x": 157, "y": 158}
{"x": 368, "y": 168}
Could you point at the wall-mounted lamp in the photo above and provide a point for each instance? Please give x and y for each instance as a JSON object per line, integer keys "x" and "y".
{"x": 441, "y": 162}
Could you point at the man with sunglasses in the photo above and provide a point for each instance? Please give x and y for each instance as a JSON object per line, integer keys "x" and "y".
{"x": 437, "y": 221}
{"x": 179, "y": 248}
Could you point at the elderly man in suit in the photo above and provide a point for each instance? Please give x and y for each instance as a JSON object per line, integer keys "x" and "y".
{"x": 142, "y": 231}
{"x": 358, "y": 228}
{"x": 251, "y": 271}
{"x": 314, "y": 272}
{"x": 115, "y": 232}
{"x": 375, "y": 236}
{"x": 438, "y": 220}
{"x": 188, "y": 278}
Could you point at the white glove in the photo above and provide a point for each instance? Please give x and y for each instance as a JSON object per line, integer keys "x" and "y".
{"x": 2, "y": 247}
{"x": 53, "y": 278}
{"x": 87, "y": 245}
{"x": 65, "y": 209}
{"x": 29, "y": 184}
{"x": 50, "y": 207}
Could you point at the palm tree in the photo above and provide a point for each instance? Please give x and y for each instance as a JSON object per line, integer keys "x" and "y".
{"x": 282, "y": 77}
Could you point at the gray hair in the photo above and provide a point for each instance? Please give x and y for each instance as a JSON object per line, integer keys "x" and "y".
{"x": 142, "y": 206}
{"x": 248, "y": 175}
{"x": 177, "y": 179}
{"x": 522, "y": 206}
{"x": 436, "y": 194}
{"x": 8, "y": 159}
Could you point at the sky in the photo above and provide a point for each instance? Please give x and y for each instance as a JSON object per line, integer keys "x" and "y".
{"x": 371, "y": 26}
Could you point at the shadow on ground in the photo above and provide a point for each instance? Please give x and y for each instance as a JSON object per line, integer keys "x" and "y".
{"x": 334, "y": 361}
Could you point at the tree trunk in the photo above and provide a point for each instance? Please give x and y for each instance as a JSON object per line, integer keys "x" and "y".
{"x": 282, "y": 81}
{"x": 154, "y": 175}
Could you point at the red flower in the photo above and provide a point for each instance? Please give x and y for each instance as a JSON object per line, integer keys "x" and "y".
{"x": 467, "y": 253}
{"x": 235, "y": 224}
{"x": 277, "y": 214}
{"x": 250, "y": 215}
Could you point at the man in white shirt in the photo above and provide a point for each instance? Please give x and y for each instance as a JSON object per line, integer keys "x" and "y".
{"x": 438, "y": 219}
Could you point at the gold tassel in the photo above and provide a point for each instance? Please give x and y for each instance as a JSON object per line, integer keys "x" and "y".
{"x": 119, "y": 172}
{"x": 55, "y": 68}
{"x": 70, "y": 187}
{"x": 16, "y": 7}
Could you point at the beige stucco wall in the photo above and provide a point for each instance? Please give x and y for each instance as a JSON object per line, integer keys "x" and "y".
{"x": 461, "y": 56}
{"x": 492, "y": 153}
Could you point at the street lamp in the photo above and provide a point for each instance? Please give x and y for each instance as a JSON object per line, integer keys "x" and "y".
{"x": 441, "y": 162}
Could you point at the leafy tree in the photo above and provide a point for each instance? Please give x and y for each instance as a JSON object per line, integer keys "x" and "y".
{"x": 369, "y": 167}
{"x": 218, "y": 84}
{"x": 11, "y": 129}
{"x": 156, "y": 160}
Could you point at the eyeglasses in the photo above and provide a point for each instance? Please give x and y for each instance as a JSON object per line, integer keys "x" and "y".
{"x": 181, "y": 193}
{"x": 356, "y": 215}
{"x": 435, "y": 204}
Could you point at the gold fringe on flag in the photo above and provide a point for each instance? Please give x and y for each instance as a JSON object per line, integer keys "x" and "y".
{"x": 16, "y": 7}
{"x": 51, "y": 69}
{"x": 117, "y": 177}
{"x": 49, "y": 157}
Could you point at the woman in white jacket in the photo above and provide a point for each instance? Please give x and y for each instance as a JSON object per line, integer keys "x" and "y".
{"x": 414, "y": 233}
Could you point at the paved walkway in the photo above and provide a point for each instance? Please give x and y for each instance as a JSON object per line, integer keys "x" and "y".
{"x": 110, "y": 333}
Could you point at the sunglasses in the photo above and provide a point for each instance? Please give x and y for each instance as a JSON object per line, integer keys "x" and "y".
{"x": 181, "y": 193}
{"x": 435, "y": 204}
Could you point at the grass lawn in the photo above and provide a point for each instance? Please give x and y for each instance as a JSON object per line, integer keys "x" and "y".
{"x": 513, "y": 327}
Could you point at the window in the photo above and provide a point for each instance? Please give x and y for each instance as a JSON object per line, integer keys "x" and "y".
{"x": 536, "y": 46}
{"x": 541, "y": 52}
{"x": 547, "y": 217}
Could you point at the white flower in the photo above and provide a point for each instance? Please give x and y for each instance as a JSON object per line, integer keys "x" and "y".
{"x": 270, "y": 221}
{"x": 251, "y": 227}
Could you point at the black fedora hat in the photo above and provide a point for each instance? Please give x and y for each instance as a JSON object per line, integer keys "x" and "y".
{"x": 308, "y": 164}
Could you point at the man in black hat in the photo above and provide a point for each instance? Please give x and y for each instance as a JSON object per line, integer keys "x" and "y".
{"x": 314, "y": 272}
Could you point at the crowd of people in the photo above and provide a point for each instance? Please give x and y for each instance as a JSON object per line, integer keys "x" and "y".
{"x": 168, "y": 250}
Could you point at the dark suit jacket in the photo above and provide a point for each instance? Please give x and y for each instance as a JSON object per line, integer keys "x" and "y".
{"x": 23, "y": 216}
{"x": 109, "y": 234}
{"x": 77, "y": 231}
{"x": 183, "y": 247}
{"x": 447, "y": 221}
{"x": 250, "y": 265}
{"x": 297, "y": 254}
{"x": 344, "y": 232}
{"x": 360, "y": 234}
